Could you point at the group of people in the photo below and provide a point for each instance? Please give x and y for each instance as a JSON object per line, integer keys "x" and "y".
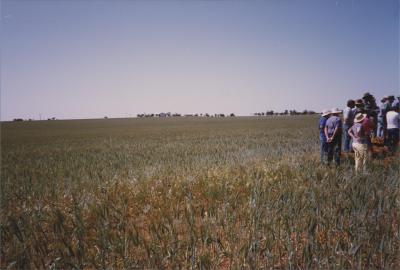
{"x": 362, "y": 120}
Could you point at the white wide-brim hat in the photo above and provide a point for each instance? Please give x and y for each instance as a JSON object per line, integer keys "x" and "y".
{"x": 335, "y": 110}
{"x": 359, "y": 117}
{"x": 326, "y": 112}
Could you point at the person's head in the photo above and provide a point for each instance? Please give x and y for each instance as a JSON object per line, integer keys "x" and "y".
{"x": 367, "y": 96}
{"x": 359, "y": 103}
{"x": 390, "y": 99}
{"x": 326, "y": 113}
{"x": 360, "y": 106}
{"x": 384, "y": 99}
{"x": 336, "y": 111}
{"x": 351, "y": 103}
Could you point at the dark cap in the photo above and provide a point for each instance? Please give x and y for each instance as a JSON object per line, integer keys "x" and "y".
{"x": 367, "y": 95}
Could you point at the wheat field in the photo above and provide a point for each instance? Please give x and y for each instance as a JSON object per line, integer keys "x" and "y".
{"x": 190, "y": 193}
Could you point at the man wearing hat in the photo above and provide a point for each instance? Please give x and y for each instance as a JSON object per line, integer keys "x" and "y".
{"x": 369, "y": 101}
{"x": 391, "y": 99}
{"x": 396, "y": 103}
{"x": 322, "y": 123}
{"x": 383, "y": 109}
{"x": 366, "y": 96}
{"x": 348, "y": 118}
{"x": 333, "y": 134}
{"x": 360, "y": 147}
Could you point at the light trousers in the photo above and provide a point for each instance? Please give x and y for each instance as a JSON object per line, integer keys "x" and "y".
{"x": 360, "y": 156}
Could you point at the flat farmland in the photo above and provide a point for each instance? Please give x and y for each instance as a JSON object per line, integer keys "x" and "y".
{"x": 200, "y": 193}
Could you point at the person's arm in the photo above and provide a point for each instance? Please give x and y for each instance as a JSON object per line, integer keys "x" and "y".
{"x": 320, "y": 126}
{"x": 398, "y": 120}
{"x": 351, "y": 133}
{"x": 355, "y": 135}
{"x": 326, "y": 134}
{"x": 384, "y": 112}
{"x": 334, "y": 132}
{"x": 338, "y": 127}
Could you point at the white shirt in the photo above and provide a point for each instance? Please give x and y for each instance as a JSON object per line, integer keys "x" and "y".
{"x": 392, "y": 119}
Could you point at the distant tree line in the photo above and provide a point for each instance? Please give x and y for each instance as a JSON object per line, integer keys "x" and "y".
{"x": 286, "y": 112}
{"x": 30, "y": 119}
{"x": 168, "y": 114}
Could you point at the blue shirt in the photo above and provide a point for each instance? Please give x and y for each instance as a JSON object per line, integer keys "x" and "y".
{"x": 332, "y": 123}
{"x": 383, "y": 109}
{"x": 396, "y": 103}
{"x": 321, "y": 126}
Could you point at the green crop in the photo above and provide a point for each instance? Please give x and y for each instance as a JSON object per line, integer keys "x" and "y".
{"x": 198, "y": 193}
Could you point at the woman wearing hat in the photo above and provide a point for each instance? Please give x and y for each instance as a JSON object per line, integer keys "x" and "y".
{"x": 360, "y": 146}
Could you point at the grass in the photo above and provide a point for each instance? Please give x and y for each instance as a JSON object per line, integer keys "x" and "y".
{"x": 232, "y": 193}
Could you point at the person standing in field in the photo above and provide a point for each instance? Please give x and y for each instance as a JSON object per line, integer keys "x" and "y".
{"x": 333, "y": 134}
{"x": 391, "y": 101}
{"x": 392, "y": 118}
{"x": 367, "y": 126}
{"x": 359, "y": 143}
{"x": 371, "y": 111}
{"x": 383, "y": 109}
{"x": 322, "y": 137}
{"x": 396, "y": 103}
{"x": 348, "y": 118}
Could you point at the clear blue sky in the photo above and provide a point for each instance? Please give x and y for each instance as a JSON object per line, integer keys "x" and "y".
{"x": 88, "y": 59}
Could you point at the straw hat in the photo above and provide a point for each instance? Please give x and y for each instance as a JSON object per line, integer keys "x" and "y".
{"x": 359, "y": 117}
{"x": 335, "y": 110}
{"x": 326, "y": 112}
